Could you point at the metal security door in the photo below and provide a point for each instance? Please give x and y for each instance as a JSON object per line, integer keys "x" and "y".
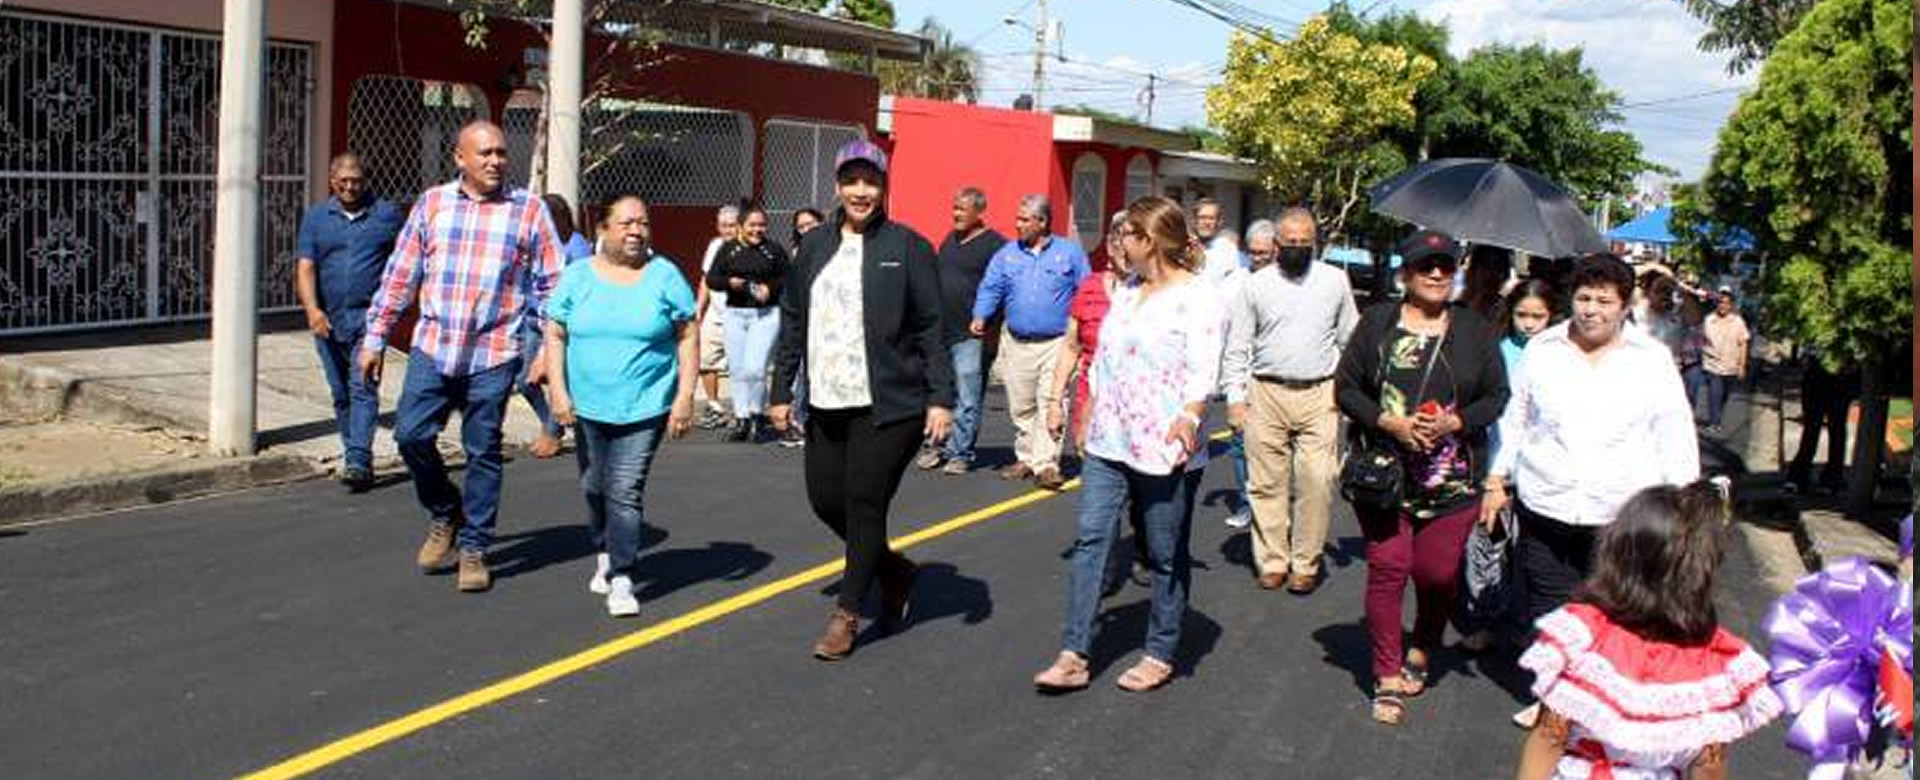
{"x": 107, "y": 156}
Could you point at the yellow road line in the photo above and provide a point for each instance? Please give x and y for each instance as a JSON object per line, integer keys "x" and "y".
{"x": 347, "y": 747}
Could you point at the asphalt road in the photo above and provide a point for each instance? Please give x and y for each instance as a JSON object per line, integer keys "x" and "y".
{"x": 215, "y": 638}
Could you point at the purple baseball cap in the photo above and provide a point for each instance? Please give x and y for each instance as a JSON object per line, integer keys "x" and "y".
{"x": 861, "y": 150}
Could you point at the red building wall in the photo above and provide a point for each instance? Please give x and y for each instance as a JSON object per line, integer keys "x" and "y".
{"x": 1066, "y": 153}
{"x": 389, "y": 38}
{"x": 940, "y": 147}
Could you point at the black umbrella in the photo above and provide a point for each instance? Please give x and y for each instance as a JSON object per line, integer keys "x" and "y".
{"x": 1489, "y": 202}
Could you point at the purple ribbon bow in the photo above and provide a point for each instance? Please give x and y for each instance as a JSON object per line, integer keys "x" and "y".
{"x": 1827, "y": 637}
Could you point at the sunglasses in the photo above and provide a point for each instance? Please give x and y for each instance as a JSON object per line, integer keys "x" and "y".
{"x": 1431, "y": 263}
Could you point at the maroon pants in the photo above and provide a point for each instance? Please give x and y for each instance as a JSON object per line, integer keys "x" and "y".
{"x": 1399, "y": 547}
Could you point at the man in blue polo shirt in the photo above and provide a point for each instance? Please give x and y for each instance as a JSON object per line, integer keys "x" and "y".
{"x": 343, "y": 247}
{"x": 1032, "y": 281}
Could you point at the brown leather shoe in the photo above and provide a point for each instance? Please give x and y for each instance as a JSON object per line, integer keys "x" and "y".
{"x": 473, "y": 576}
{"x": 1272, "y": 580}
{"x": 837, "y": 642}
{"x": 1049, "y": 479}
{"x": 1303, "y": 584}
{"x": 1017, "y": 471}
{"x": 436, "y": 553}
{"x": 896, "y": 595}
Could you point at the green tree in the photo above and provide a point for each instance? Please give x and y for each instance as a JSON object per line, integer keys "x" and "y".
{"x": 878, "y": 13}
{"x": 1545, "y": 110}
{"x": 950, "y": 71}
{"x": 1746, "y": 29}
{"x": 1314, "y": 113}
{"x": 1809, "y": 163}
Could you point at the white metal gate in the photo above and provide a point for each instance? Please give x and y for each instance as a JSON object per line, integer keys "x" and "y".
{"x": 108, "y": 138}
{"x": 796, "y": 167}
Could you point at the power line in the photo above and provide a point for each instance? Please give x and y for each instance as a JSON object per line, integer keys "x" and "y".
{"x": 1681, "y": 98}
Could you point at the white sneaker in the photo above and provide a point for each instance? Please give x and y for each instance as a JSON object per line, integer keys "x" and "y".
{"x": 620, "y": 600}
{"x": 1240, "y": 519}
{"x": 597, "y": 584}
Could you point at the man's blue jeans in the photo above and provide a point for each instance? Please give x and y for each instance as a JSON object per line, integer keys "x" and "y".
{"x": 614, "y": 463}
{"x": 426, "y": 401}
{"x": 1237, "y": 452}
{"x": 1693, "y": 377}
{"x": 356, "y": 402}
{"x": 969, "y": 387}
{"x": 1166, "y": 511}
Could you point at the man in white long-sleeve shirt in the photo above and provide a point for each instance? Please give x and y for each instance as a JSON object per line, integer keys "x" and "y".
{"x": 1598, "y": 415}
{"x": 1290, "y": 322}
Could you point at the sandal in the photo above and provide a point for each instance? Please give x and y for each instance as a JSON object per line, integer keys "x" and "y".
{"x": 1389, "y": 706}
{"x": 1068, "y": 673}
{"x": 1148, "y": 674}
{"x": 1413, "y": 677}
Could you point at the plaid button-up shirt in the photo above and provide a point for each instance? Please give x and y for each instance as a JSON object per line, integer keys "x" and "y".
{"x": 480, "y": 266}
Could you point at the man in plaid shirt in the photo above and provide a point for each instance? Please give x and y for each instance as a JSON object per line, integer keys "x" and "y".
{"x": 481, "y": 256}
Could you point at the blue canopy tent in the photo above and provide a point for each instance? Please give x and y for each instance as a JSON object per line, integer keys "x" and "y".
{"x": 1655, "y": 227}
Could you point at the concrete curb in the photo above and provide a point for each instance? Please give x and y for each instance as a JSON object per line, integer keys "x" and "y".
{"x": 41, "y": 393}
{"x": 155, "y": 486}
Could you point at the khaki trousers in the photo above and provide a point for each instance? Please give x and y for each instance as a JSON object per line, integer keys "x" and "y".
{"x": 1292, "y": 463}
{"x": 1027, "y": 369}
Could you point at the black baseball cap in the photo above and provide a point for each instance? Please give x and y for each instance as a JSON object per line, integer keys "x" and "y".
{"x": 1426, "y": 244}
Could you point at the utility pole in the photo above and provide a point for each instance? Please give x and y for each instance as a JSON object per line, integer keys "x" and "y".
{"x": 1040, "y": 56}
{"x": 236, "y": 227}
{"x": 1150, "y": 79}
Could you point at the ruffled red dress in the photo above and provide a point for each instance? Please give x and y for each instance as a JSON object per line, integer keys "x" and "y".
{"x": 1640, "y": 709}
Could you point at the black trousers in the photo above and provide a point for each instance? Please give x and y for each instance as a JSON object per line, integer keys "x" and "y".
{"x": 853, "y": 469}
{"x": 1824, "y": 400}
{"x": 1555, "y": 557}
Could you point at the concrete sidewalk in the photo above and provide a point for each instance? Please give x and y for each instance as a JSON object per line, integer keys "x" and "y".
{"x": 146, "y": 399}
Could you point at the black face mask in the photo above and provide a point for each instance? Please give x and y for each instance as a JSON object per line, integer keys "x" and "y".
{"x": 1295, "y": 259}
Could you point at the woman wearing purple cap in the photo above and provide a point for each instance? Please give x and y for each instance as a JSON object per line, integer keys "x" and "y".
{"x": 878, "y": 379}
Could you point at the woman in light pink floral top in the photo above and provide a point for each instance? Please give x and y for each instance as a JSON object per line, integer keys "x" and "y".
{"x": 1157, "y": 363}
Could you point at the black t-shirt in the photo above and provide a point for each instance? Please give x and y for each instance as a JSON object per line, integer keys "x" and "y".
{"x": 961, "y": 266}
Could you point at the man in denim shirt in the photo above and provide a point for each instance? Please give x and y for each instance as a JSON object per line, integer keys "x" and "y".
{"x": 1031, "y": 281}
{"x": 343, "y": 246}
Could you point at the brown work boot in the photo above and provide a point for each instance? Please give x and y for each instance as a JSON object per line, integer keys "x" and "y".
{"x": 473, "y": 576}
{"x": 896, "y": 594}
{"x": 837, "y": 642}
{"x": 1015, "y": 472}
{"x": 436, "y": 553}
{"x": 1049, "y": 479}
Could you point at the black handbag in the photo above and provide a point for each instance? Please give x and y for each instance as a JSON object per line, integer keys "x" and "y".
{"x": 1372, "y": 477}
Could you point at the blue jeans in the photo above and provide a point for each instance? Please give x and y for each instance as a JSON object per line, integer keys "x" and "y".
{"x": 1693, "y": 377}
{"x": 530, "y": 344}
{"x": 968, "y": 386}
{"x": 426, "y": 401}
{"x": 1166, "y": 513}
{"x": 1719, "y": 386}
{"x": 613, "y": 475}
{"x": 356, "y": 401}
{"x": 1237, "y": 452}
{"x": 750, "y": 336}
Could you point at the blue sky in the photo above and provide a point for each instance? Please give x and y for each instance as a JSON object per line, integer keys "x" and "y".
{"x": 1643, "y": 49}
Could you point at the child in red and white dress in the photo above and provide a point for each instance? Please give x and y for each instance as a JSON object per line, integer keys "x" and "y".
{"x": 1635, "y": 677}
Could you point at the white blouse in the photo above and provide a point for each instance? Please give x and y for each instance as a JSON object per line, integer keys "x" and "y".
{"x": 1155, "y": 356}
{"x": 837, "y": 333}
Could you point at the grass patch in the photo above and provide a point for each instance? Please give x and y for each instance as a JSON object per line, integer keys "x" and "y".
{"x": 13, "y": 476}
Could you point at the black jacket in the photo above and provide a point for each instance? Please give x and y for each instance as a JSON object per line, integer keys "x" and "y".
{"x": 765, "y": 262}
{"x": 908, "y": 368}
{"x": 1472, "y": 352}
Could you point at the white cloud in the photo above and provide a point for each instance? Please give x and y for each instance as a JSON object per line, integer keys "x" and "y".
{"x": 1643, "y": 49}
